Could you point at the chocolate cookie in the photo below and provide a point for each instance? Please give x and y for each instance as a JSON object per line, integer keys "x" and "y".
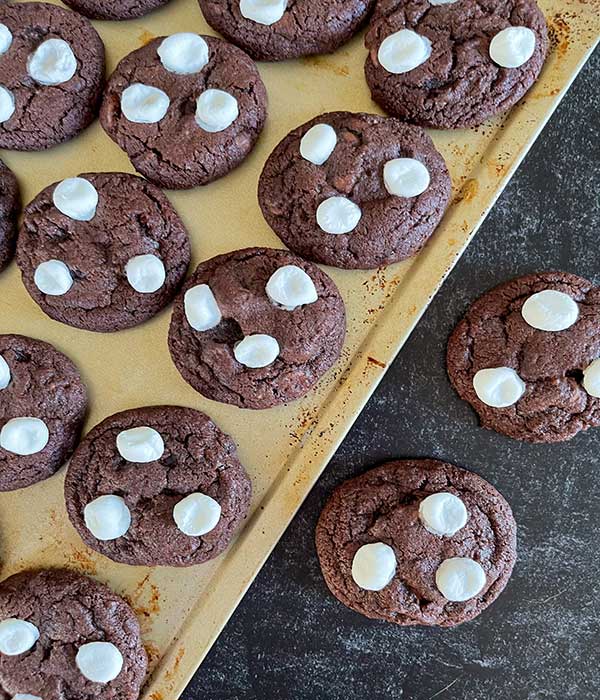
{"x": 453, "y": 63}
{"x": 51, "y": 75}
{"x": 115, "y": 9}
{"x": 9, "y": 210}
{"x": 256, "y": 328}
{"x": 159, "y": 485}
{"x": 186, "y": 109}
{"x": 102, "y": 251}
{"x": 417, "y": 542}
{"x": 526, "y": 356}
{"x": 42, "y": 406}
{"x": 63, "y": 635}
{"x": 275, "y": 31}
{"x": 354, "y": 190}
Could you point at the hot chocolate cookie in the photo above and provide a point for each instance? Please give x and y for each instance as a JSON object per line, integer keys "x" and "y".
{"x": 417, "y": 542}
{"x": 453, "y": 63}
{"x": 257, "y": 327}
{"x": 51, "y": 75}
{"x": 185, "y": 108}
{"x": 102, "y": 251}
{"x": 354, "y": 190}
{"x": 526, "y": 356}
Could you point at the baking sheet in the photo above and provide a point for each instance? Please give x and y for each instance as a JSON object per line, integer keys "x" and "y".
{"x": 182, "y": 611}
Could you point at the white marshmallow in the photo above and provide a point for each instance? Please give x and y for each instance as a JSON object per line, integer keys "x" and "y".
{"x": 498, "y": 386}
{"x": 591, "y": 378}
{"x": 442, "y": 2}
{"x": 7, "y": 104}
{"x": 405, "y": 177}
{"x": 6, "y": 38}
{"x": 459, "y": 578}
{"x": 443, "y": 513}
{"x": 25, "y": 696}
{"x": 53, "y": 277}
{"x": 52, "y": 63}
{"x": 24, "y": 436}
{"x": 4, "y": 373}
{"x": 263, "y": 11}
{"x": 100, "y": 662}
{"x": 216, "y": 110}
{"x": 145, "y": 273}
{"x": 196, "y": 514}
{"x": 374, "y": 566}
{"x": 76, "y": 198}
{"x": 403, "y": 51}
{"x": 144, "y": 104}
{"x": 201, "y": 308}
{"x": 512, "y": 47}
{"x": 107, "y": 517}
{"x": 258, "y": 350}
{"x": 550, "y": 310}
{"x": 183, "y": 53}
{"x": 318, "y": 143}
{"x": 17, "y": 636}
{"x": 338, "y": 215}
{"x": 290, "y": 287}
{"x": 141, "y": 444}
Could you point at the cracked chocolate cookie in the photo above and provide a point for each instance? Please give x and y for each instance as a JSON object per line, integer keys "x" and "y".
{"x": 456, "y": 63}
{"x": 186, "y": 109}
{"x": 9, "y": 209}
{"x": 526, "y": 356}
{"x": 102, "y": 251}
{"x": 63, "y": 635}
{"x": 51, "y": 75}
{"x": 354, "y": 190}
{"x": 42, "y": 407}
{"x": 417, "y": 542}
{"x": 277, "y": 30}
{"x": 115, "y": 9}
{"x": 256, "y": 328}
{"x": 157, "y": 486}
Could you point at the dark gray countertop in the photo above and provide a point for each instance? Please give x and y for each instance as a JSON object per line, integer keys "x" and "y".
{"x": 290, "y": 638}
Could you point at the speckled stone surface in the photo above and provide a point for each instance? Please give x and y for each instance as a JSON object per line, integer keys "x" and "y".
{"x": 539, "y": 641}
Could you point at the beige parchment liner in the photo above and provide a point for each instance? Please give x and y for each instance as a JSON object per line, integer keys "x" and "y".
{"x": 284, "y": 449}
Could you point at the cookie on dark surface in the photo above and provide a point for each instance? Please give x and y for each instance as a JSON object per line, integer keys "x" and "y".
{"x": 256, "y": 327}
{"x": 63, "y": 635}
{"x": 417, "y": 542}
{"x": 43, "y": 402}
{"x": 51, "y": 75}
{"x": 526, "y": 356}
{"x": 187, "y": 109}
{"x": 278, "y": 30}
{"x": 9, "y": 210}
{"x": 354, "y": 190}
{"x": 453, "y": 64}
{"x": 102, "y": 251}
{"x": 157, "y": 486}
{"x": 115, "y": 9}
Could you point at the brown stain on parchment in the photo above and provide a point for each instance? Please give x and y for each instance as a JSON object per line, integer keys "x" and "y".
{"x": 323, "y": 63}
{"x": 468, "y": 191}
{"x": 169, "y": 673}
{"x": 145, "y": 37}
{"x": 82, "y": 561}
{"x": 559, "y": 33}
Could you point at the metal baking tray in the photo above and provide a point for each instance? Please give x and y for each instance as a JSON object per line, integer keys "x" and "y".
{"x": 182, "y": 611}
